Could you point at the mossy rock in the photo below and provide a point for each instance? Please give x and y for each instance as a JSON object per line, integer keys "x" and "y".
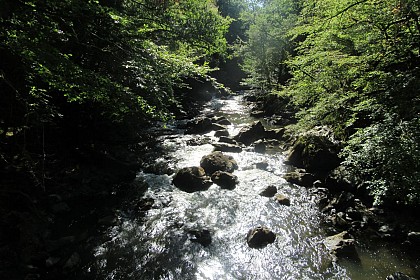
{"x": 316, "y": 153}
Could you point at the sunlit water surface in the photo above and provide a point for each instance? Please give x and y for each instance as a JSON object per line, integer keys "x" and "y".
{"x": 159, "y": 246}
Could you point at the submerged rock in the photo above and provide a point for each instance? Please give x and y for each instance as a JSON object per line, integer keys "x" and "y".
{"x": 217, "y": 161}
{"x": 191, "y": 179}
{"x": 260, "y": 237}
{"x": 269, "y": 191}
{"x": 262, "y": 165}
{"x": 202, "y": 237}
{"x": 224, "y": 179}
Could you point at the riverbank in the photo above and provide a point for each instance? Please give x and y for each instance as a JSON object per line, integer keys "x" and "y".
{"x": 346, "y": 208}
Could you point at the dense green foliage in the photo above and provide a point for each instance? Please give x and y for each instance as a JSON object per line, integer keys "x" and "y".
{"x": 268, "y": 45}
{"x": 355, "y": 68}
{"x": 89, "y": 62}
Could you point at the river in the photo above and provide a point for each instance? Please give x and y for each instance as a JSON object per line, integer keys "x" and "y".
{"x": 159, "y": 245}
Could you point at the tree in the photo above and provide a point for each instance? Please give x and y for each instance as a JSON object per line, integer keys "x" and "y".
{"x": 357, "y": 70}
{"x": 78, "y": 72}
{"x": 268, "y": 46}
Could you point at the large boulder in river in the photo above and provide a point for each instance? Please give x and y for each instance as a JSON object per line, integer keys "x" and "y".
{"x": 316, "y": 151}
{"x": 225, "y": 180}
{"x": 217, "y": 161}
{"x": 191, "y": 179}
{"x": 260, "y": 237}
{"x": 199, "y": 125}
{"x": 250, "y": 134}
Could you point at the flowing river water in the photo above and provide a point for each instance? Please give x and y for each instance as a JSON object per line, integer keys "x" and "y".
{"x": 159, "y": 245}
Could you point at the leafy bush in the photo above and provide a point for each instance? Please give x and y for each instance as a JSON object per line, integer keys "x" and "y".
{"x": 386, "y": 158}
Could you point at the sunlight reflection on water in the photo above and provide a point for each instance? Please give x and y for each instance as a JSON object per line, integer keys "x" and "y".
{"x": 159, "y": 246}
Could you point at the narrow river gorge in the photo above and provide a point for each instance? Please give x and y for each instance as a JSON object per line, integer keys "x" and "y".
{"x": 160, "y": 243}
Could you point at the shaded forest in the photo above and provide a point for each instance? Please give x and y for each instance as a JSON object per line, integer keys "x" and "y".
{"x": 352, "y": 66}
{"x": 81, "y": 81}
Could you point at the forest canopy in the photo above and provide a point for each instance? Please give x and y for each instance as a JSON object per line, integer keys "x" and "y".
{"x": 353, "y": 66}
{"x": 105, "y": 61}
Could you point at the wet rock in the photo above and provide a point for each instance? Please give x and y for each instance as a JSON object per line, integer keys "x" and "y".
{"x": 259, "y": 147}
{"x": 250, "y": 98}
{"x": 228, "y": 148}
{"x": 341, "y": 201}
{"x": 282, "y": 199}
{"x": 198, "y": 140}
{"x": 221, "y": 133}
{"x": 276, "y": 134}
{"x": 316, "y": 151}
{"x": 223, "y": 121}
{"x": 202, "y": 237}
{"x": 353, "y": 214}
{"x": 250, "y": 134}
{"x": 191, "y": 179}
{"x": 261, "y": 165}
{"x": 145, "y": 204}
{"x": 342, "y": 245}
{"x": 217, "y": 161}
{"x": 260, "y": 237}
{"x": 200, "y": 125}
{"x": 224, "y": 179}
{"x": 338, "y": 220}
{"x": 301, "y": 178}
{"x": 399, "y": 276}
{"x": 269, "y": 191}
{"x": 218, "y": 127}
{"x": 229, "y": 140}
